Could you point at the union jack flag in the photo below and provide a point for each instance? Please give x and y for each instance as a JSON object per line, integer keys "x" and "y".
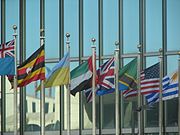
{"x": 105, "y": 80}
{"x": 7, "y": 49}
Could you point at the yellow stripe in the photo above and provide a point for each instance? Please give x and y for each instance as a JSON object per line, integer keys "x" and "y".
{"x": 31, "y": 75}
{"x": 31, "y": 63}
{"x": 124, "y": 83}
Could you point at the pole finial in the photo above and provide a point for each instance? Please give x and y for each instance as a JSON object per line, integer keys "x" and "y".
{"x": 14, "y": 27}
{"x": 67, "y": 35}
{"x": 139, "y": 47}
{"x": 93, "y": 40}
{"x": 117, "y": 45}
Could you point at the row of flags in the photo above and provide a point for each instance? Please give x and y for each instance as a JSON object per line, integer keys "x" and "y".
{"x": 80, "y": 78}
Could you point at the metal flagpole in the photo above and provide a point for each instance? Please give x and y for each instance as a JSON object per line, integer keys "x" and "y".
{"x": 68, "y": 91}
{"x": 15, "y": 81}
{"x": 94, "y": 87}
{"x": 160, "y": 94}
{"x": 116, "y": 73}
{"x": 139, "y": 109}
{"x": 42, "y": 92}
{"x": 179, "y": 93}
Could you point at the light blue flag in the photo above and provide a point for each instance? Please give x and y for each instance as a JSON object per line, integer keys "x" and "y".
{"x": 7, "y": 64}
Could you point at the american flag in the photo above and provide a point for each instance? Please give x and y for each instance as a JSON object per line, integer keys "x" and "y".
{"x": 149, "y": 82}
{"x": 150, "y": 79}
{"x": 7, "y": 49}
{"x": 105, "y": 80}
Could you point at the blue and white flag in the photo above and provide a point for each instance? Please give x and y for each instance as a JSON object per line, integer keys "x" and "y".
{"x": 7, "y": 58}
{"x": 170, "y": 89}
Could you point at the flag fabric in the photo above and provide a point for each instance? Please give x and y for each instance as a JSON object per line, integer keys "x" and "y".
{"x": 149, "y": 82}
{"x": 32, "y": 69}
{"x": 150, "y": 79}
{"x": 105, "y": 75}
{"x": 104, "y": 79}
{"x": 7, "y": 58}
{"x": 59, "y": 75}
{"x": 81, "y": 77}
{"x": 170, "y": 89}
{"x": 128, "y": 75}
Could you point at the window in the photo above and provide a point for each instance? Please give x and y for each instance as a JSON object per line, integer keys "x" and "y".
{"x": 33, "y": 107}
{"x": 46, "y": 107}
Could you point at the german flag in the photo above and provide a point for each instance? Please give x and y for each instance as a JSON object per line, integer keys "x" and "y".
{"x": 32, "y": 69}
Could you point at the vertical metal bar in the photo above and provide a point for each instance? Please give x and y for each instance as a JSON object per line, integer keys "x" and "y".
{"x": 15, "y": 81}
{"x": 42, "y": 97}
{"x": 3, "y": 81}
{"x": 68, "y": 92}
{"x": 179, "y": 93}
{"x": 42, "y": 92}
{"x": 140, "y": 125}
{"x": 164, "y": 58}
{"x": 100, "y": 35}
{"x": 116, "y": 73}
{"x": 61, "y": 54}
{"x": 80, "y": 61}
{"x": 120, "y": 7}
{"x": 22, "y": 52}
{"x": 94, "y": 87}
{"x": 160, "y": 95}
{"x": 142, "y": 41}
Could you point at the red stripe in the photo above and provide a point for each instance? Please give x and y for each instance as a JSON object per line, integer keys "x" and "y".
{"x": 148, "y": 92}
{"x": 153, "y": 81}
{"x": 149, "y": 87}
{"x": 38, "y": 60}
{"x": 34, "y": 78}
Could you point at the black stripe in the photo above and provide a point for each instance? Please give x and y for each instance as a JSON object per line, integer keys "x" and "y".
{"x": 36, "y": 67}
{"x": 132, "y": 84}
{"x": 82, "y": 86}
{"x": 32, "y": 57}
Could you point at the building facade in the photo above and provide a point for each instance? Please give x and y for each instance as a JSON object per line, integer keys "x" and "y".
{"x": 153, "y": 24}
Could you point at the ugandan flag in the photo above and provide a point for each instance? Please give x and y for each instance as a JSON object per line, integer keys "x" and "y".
{"x": 32, "y": 69}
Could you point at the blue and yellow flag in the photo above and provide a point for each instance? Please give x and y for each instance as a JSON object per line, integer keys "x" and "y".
{"x": 128, "y": 75}
{"x": 59, "y": 75}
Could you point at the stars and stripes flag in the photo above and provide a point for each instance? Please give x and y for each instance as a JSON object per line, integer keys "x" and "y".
{"x": 105, "y": 80}
{"x": 149, "y": 82}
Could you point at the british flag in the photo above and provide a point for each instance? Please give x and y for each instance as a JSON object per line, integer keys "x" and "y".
{"x": 7, "y": 49}
{"x": 105, "y": 80}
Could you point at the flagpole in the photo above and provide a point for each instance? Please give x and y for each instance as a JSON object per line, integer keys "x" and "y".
{"x": 139, "y": 109}
{"x": 116, "y": 73}
{"x": 42, "y": 92}
{"x": 68, "y": 91}
{"x": 94, "y": 87}
{"x": 179, "y": 92}
{"x": 160, "y": 95}
{"x": 15, "y": 81}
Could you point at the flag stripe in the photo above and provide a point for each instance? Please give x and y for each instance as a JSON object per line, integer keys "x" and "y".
{"x": 34, "y": 78}
{"x": 29, "y": 76}
{"x": 23, "y": 72}
{"x": 37, "y": 54}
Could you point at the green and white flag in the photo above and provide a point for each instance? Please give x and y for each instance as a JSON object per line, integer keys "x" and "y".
{"x": 81, "y": 77}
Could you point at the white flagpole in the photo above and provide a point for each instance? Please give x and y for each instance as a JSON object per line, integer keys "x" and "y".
{"x": 94, "y": 87}
{"x": 42, "y": 93}
{"x": 139, "y": 109}
{"x": 160, "y": 94}
{"x": 179, "y": 93}
{"x": 68, "y": 92}
{"x": 116, "y": 73}
{"x": 15, "y": 81}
